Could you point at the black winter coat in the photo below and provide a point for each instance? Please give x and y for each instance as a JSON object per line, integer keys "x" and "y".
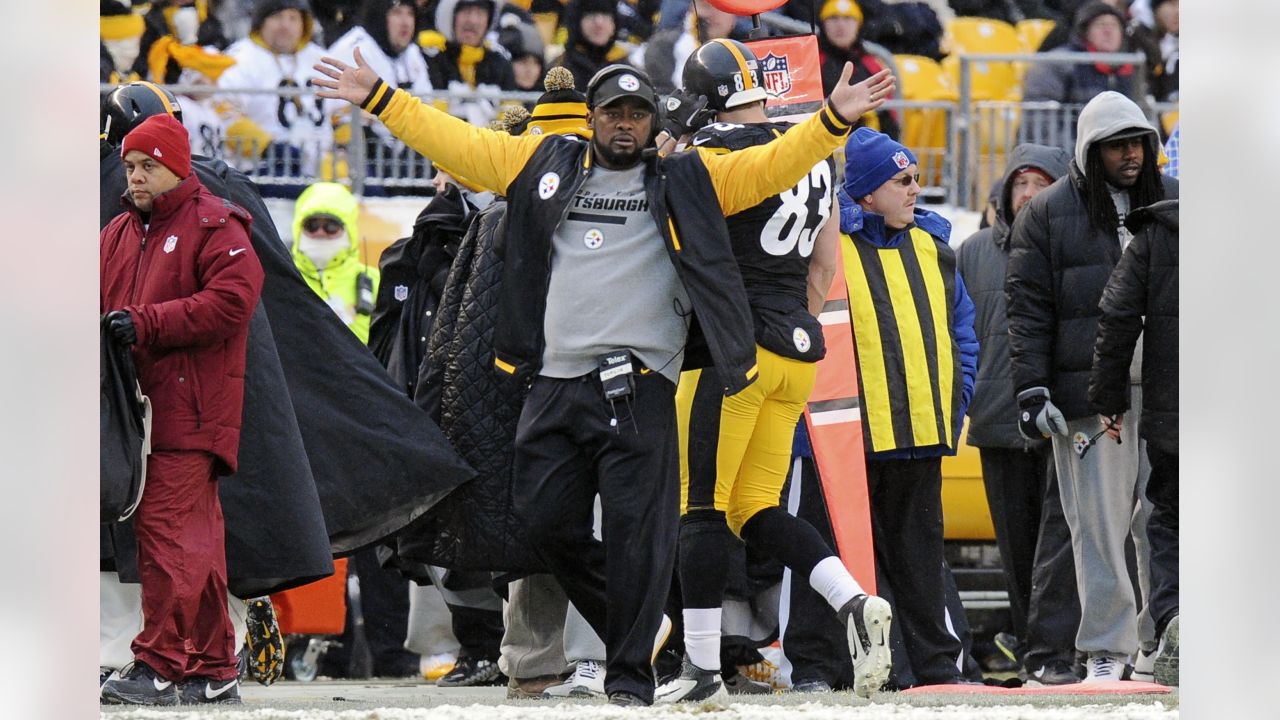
{"x": 474, "y": 527}
{"x": 982, "y": 261}
{"x": 1141, "y": 298}
{"x": 414, "y": 271}
{"x": 1058, "y": 266}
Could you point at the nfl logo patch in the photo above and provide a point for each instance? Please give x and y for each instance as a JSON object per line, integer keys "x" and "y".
{"x": 402, "y": 293}
{"x": 900, "y": 159}
{"x": 777, "y": 75}
{"x": 723, "y": 90}
{"x": 170, "y": 243}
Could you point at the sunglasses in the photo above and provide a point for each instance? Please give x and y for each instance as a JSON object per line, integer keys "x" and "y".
{"x": 328, "y": 225}
{"x": 906, "y": 180}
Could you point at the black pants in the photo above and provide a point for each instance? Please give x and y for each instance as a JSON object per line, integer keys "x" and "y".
{"x": 1162, "y": 533}
{"x": 384, "y": 608}
{"x": 814, "y": 640}
{"x": 906, "y": 522}
{"x": 1035, "y": 549}
{"x": 566, "y": 452}
{"x": 1053, "y": 612}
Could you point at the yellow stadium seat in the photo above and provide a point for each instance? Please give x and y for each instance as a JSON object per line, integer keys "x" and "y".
{"x": 981, "y": 35}
{"x": 925, "y": 130}
{"x": 988, "y": 80}
{"x": 1032, "y": 32}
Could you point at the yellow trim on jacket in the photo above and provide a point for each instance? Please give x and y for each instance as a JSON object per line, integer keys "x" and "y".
{"x": 492, "y": 160}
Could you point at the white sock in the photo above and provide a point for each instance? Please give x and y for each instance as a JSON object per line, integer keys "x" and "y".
{"x": 702, "y": 637}
{"x": 833, "y": 582}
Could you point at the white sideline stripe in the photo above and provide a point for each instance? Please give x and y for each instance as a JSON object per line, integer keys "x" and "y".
{"x": 834, "y": 317}
{"x": 832, "y": 417}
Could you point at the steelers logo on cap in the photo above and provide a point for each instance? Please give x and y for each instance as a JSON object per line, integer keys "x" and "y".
{"x": 593, "y": 239}
{"x": 629, "y": 83}
{"x": 801, "y": 339}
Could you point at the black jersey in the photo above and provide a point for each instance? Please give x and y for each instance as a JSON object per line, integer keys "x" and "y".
{"x": 773, "y": 242}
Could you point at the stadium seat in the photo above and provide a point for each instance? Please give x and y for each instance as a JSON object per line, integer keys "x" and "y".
{"x": 981, "y": 35}
{"x": 924, "y": 130}
{"x": 988, "y": 80}
{"x": 1032, "y": 32}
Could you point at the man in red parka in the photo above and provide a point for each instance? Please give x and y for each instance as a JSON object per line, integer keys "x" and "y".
{"x": 179, "y": 282}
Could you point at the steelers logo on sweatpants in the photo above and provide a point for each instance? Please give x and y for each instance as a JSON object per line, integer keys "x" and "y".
{"x": 593, "y": 239}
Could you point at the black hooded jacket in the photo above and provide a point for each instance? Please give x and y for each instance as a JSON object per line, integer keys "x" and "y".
{"x": 414, "y": 270}
{"x": 982, "y": 261}
{"x": 1058, "y": 265}
{"x": 582, "y": 58}
{"x": 1141, "y": 298}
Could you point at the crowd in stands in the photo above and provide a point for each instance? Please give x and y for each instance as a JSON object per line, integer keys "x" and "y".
{"x": 496, "y": 46}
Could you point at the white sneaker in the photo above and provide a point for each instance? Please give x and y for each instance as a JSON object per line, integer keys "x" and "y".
{"x": 693, "y": 684}
{"x": 587, "y": 680}
{"x": 1104, "y": 668}
{"x": 1144, "y": 665}
{"x": 867, "y": 619}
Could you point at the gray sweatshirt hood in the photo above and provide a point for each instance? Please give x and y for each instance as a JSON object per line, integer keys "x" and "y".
{"x": 1108, "y": 114}
{"x": 1052, "y": 161}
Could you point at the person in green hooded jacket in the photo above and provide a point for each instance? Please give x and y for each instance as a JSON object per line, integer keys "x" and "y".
{"x": 326, "y": 249}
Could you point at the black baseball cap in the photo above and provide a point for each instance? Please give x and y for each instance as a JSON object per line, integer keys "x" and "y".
{"x": 614, "y": 82}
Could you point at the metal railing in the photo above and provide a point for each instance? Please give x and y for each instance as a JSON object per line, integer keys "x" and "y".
{"x": 961, "y": 144}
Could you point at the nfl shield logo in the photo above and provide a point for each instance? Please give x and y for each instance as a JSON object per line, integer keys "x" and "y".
{"x": 402, "y": 293}
{"x": 900, "y": 159}
{"x": 170, "y": 242}
{"x": 777, "y": 76}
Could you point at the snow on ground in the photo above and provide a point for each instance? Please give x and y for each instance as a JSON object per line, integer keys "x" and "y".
{"x": 356, "y": 701}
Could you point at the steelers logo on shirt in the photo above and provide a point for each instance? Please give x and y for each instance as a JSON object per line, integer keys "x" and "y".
{"x": 548, "y": 185}
{"x": 629, "y": 83}
{"x": 801, "y": 339}
{"x": 593, "y": 239}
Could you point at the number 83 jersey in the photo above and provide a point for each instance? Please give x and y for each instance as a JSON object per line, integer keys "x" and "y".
{"x": 773, "y": 242}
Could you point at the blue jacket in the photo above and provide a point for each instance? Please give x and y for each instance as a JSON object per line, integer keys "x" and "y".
{"x": 870, "y": 226}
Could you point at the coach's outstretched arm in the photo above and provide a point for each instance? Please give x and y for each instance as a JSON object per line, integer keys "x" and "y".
{"x": 489, "y": 159}
{"x": 743, "y": 179}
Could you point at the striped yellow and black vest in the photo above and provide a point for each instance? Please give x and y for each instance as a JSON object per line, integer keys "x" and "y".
{"x": 902, "y": 302}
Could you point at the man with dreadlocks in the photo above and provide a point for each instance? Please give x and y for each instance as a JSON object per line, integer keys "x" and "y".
{"x": 1065, "y": 243}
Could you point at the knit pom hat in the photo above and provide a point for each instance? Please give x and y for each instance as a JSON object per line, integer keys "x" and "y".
{"x": 561, "y": 110}
{"x": 871, "y": 159}
{"x": 163, "y": 138}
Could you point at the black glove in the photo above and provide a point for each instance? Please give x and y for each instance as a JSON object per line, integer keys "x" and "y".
{"x": 121, "y": 324}
{"x": 685, "y": 113}
{"x": 1037, "y": 417}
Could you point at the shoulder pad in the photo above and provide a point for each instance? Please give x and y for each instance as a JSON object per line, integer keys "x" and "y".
{"x": 731, "y": 135}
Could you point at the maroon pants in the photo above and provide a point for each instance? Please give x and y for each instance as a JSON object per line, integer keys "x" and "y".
{"x": 183, "y": 568}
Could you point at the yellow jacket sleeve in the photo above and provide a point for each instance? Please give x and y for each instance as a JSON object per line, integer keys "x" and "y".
{"x": 487, "y": 158}
{"x": 743, "y": 179}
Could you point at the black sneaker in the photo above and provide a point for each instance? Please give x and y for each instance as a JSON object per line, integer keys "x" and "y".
{"x": 626, "y": 699}
{"x": 138, "y": 684}
{"x": 691, "y": 685}
{"x": 867, "y": 619}
{"x": 812, "y": 686}
{"x": 1054, "y": 672}
{"x": 473, "y": 672}
{"x": 263, "y": 644}
{"x": 740, "y": 684}
{"x": 201, "y": 690}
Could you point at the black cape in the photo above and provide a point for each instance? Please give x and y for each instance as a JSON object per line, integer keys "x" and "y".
{"x": 323, "y": 432}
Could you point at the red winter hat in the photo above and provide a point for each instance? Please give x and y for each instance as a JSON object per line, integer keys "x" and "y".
{"x": 163, "y": 138}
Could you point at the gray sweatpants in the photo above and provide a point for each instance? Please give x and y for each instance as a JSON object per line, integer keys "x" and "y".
{"x": 545, "y": 634}
{"x": 1104, "y": 501}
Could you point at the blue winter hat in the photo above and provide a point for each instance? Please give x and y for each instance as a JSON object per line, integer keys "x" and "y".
{"x": 870, "y": 159}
